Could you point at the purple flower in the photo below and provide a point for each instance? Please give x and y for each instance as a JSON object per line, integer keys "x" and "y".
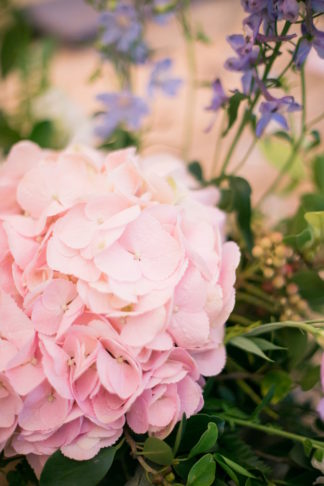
{"x": 273, "y": 109}
{"x": 122, "y": 108}
{"x": 121, "y": 27}
{"x": 139, "y": 53}
{"x": 162, "y": 79}
{"x": 317, "y": 6}
{"x": 159, "y": 14}
{"x": 247, "y": 54}
{"x": 314, "y": 38}
{"x": 219, "y": 99}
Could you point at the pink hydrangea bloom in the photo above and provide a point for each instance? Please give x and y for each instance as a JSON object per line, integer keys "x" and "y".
{"x": 115, "y": 286}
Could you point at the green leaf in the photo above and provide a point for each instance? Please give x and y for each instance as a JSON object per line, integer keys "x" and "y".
{"x": 236, "y": 467}
{"x": 8, "y": 135}
{"x": 237, "y": 198}
{"x": 232, "y": 110}
{"x": 249, "y": 346}
{"x": 62, "y": 471}
{"x": 299, "y": 241}
{"x": 42, "y": 133}
{"x": 277, "y": 152}
{"x": 318, "y": 170}
{"x": 266, "y": 345}
{"x": 196, "y": 170}
{"x": 226, "y": 468}
{"x": 308, "y": 447}
{"x": 206, "y": 442}
{"x": 158, "y": 451}
{"x": 280, "y": 381}
{"x": 310, "y": 377}
{"x": 316, "y": 221}
{"x": 202, "y": 472}
{"x": 179, "y": 435}
{"x": 196, "y": 426}
{"x": 13, "y": 46}
{"x": 265, "y": 402}
{"x": 311, "y": 288}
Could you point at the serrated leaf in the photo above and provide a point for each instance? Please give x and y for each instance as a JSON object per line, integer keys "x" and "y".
{"x": 62, "y": 471}
{"x": 202, "y": 472}
{"x": 158, "y": 451}
{"x": 206, "y": 442}
{"x": 249, "y": 346}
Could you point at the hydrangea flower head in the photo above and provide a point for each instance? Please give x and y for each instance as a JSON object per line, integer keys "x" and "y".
{"x": 115, "y": 287}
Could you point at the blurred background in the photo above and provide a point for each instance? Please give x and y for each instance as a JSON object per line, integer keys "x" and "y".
{"x": 51, "y": 73}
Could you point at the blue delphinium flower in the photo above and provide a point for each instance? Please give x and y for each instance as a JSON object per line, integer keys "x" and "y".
{"x": 273, "y": 109}
{"x": 219, "y": 99}
{"x": 247, "y": 53}
{"x": 312, "y": 38}
{"x": 121, "y": 108}
{"x": 121, "y": 27}
{"x": 317, "y": 5}
{"x": 161, "y": 78}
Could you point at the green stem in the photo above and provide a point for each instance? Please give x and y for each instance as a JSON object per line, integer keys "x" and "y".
{"x": 235, "y": 141}
{"x": 240, "y": 319}
{"x": 291, "y": 159}
{"x": 246, "y": 156}
{"x": 314, "y": 121}
{"x": 255, "y": 398}
{"x": 251, "y": 299}
{"x": 252, "y": 289}
{"x": 218, "y": 144}
{"x": 272, "y": 431}
{"x": 191, "y": 91}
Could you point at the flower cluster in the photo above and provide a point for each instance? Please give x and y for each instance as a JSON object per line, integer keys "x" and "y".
{"x": 257, "y": 49}
{"x": 115, "y": 287}
{"x": 122, "y": 43}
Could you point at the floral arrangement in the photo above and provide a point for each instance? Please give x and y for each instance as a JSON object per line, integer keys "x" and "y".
{"x": 155, "y": 327}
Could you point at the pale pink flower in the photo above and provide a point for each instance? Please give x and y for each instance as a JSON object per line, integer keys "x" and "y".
{"x": 115, "y": 286}
{"x": 10, "y": 406}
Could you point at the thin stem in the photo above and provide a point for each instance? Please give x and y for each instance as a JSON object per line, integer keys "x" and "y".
{"x": 252, "y": 289}
{"x": 314, "y": 121}
{"x": 218, "y": 144}
{"x": 132, "y": 444}
{"x": 291, "y": 159}
{"x": 240, "y": 319}
{"x": 251, "y": 299}
{"x": 246, "y": 156}
{"x": 273, "y": 431}
{"x": 255, "y": 398}
{"x": 303, "y": 89}
{"x": 191, "y": 91}
{"x": 235, "y": 141}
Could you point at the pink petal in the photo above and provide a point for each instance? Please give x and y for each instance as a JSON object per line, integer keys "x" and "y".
{"x": 140, "y": 330}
